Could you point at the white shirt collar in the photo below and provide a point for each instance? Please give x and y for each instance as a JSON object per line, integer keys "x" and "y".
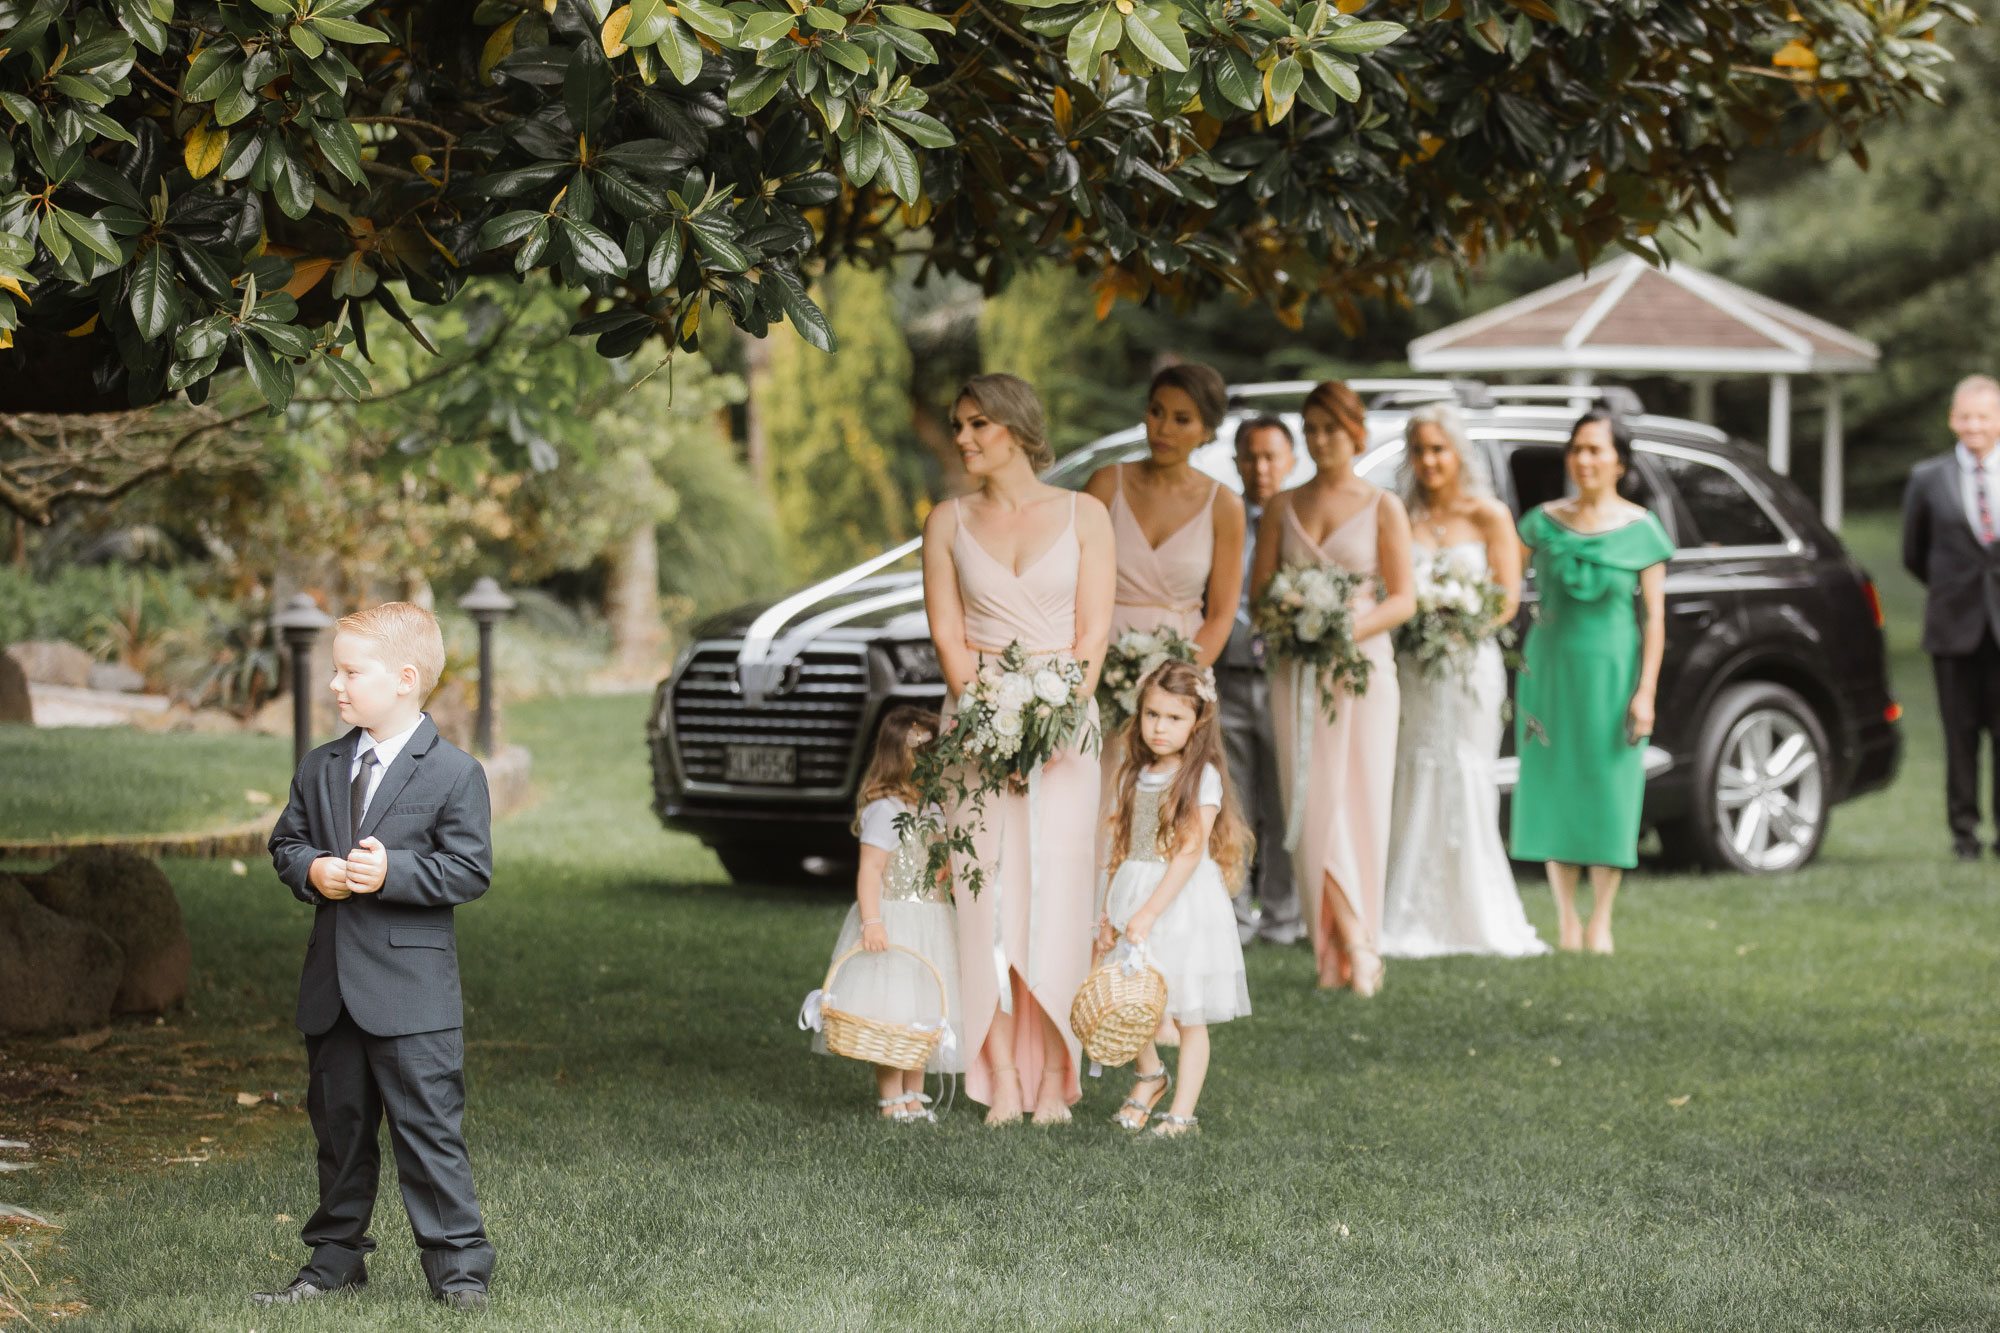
{"x": 1972, "y": 462}
{"x": 386, "y": 750}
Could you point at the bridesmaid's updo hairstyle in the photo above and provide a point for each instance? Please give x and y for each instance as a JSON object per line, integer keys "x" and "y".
{"x": 1203, "y": 384}
{"x": 1338, "y": 401}
{"x": 1011, "y": 401}
{"x": 1621, "y": 441}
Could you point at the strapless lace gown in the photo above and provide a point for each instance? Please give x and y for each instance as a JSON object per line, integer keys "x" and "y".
{"x": 1450, "y": 887}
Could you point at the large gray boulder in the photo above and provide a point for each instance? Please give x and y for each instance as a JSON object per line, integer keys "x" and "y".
{"x": 53, "y": 662}
{"x": 129, "y": 898}
{"x": 16, "y": 704}
{"x": 56, "y": 973}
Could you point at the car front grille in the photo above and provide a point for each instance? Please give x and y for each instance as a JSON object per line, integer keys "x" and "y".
{"x": 820, "y": 714}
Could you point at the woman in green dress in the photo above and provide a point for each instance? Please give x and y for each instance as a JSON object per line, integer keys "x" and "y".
{"x": 1584, "y": 701}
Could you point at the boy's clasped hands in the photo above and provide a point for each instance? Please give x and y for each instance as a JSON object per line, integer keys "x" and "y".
{"x": 362, "y": 871}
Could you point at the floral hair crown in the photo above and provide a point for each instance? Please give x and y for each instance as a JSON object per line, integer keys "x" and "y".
{"x": 1204, "y": 686}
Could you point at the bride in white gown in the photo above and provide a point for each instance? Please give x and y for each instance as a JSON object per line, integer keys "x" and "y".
{"x": 1450, "y": 888}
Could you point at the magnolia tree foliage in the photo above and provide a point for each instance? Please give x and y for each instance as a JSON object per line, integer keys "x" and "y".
{"x": 187, "y": 186}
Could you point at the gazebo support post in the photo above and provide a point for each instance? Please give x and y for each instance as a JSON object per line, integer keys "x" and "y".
{"x": 1831, "y": 481}
{"x": 1704, "y": 399}
{"x": 1781, "y": 424}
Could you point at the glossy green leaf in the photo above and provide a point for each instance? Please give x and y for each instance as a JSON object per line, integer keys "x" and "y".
{"x": 663, "y": 261}
{"x": 155, "y": 303}
{"x": 346, "y": 30}
{"x": 909, "y": 16}
{"x": 595, "y": 252}
{"x": 899, "y": 169}
{"x": 269, "y": 375}
{"x": 753, "y": 89}
{"x": 681, "y": 52}
{"x": 1361, "y": 38}
{"x": 861, "y": 154}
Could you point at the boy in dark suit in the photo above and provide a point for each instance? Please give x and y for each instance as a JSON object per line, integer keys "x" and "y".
{"x": 386, "y": 831}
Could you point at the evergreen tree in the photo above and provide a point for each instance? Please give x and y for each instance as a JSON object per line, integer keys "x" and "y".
{"x": 843, "y": 463}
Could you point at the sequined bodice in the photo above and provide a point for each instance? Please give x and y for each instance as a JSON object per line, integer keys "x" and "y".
{"x": 1145, "y": 842}
{"x": 905, "y": 881}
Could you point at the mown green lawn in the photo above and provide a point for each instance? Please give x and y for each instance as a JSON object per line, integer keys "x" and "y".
{"x": 1772, "y": 1110}
{"x": 62, "y": 782}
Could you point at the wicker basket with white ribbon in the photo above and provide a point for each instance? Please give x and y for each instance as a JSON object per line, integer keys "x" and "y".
{"x": 898, "y": 1045}
{"x": 1119, "y": 1006}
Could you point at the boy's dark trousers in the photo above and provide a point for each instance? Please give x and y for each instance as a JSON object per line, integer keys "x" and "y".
{"x": 379, "y": 1003}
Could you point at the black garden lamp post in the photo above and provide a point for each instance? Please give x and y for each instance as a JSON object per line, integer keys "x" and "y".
{"x": 486, "y": 604}
{"x": 300, "y": 623}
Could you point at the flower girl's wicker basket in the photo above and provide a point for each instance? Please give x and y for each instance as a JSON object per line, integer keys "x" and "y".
{"x": 872, "y": 1039}
{"x": 1119, "y": 1007}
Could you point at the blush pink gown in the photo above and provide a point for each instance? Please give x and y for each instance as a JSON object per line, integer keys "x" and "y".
{"x": 1351, "y": 773}
{"x": 1165, "y": 584}
{"x": 1041, "y": 908}
{"x": 1157, "y": 585}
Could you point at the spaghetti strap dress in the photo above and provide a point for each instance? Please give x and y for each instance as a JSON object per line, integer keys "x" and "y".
{"x": 1582, "y": 784}
{"x": 1157, "y": 585}
{"x": 1351, "y": 760}
{"x": 1165, "y": 584}
{"x": 1036, "y": 848}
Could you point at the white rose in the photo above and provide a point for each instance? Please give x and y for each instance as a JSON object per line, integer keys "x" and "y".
{"x": 1309, "y": 628}
{"x": 989, "y": 676}
{"x": 1006, "y": 724}
{"x": 1469, "y": 600}
{"x": 1050, "y": 687}
{"x": 1013, "y": 692}
{"x": 969, "y": 698}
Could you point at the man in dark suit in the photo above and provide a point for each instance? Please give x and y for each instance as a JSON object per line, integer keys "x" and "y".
{"x": 1951, "y": 542}
{"x": 1268, "y": 908}
{"x": 387, "y": 831}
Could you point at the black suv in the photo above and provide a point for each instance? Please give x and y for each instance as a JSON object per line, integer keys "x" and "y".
{"x": 1773, "y": 705}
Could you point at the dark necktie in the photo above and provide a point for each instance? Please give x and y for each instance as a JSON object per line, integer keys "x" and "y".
{"x": 357, "y": 795}
{"x": 1983, "y": 503}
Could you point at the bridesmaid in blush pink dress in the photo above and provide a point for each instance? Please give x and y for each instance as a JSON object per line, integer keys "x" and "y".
{"x": 1342, "y": 857}
{"x": 1020, "y": 561}
{"x": 1179, "y": 533}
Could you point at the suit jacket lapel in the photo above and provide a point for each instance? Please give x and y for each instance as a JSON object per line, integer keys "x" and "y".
{"x": 398, "y": 775}
{"x": 334, "y": 781}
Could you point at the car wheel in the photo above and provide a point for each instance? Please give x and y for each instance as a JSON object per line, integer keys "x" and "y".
{"x": 1762, "y": 784}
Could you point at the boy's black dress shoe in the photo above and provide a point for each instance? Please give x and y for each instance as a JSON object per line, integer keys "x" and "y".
{"x": 464, "y": 1300}
{"x": 302, "y": 1289}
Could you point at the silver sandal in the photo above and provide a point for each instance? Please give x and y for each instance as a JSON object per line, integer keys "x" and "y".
{"x": 1183, "y": 1125}
{"x": 1145, "y": 1109}
{"x": 904, "y": 1117}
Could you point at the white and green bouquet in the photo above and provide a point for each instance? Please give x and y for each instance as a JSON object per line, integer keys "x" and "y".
{"x": 1018, "y": 712}
{"x": 1128, "y": 662}
{"x": 1459, "y": 607}
{"x": 1305, "y": 618}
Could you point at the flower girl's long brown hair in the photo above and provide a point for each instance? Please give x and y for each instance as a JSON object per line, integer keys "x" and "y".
{"x": 892, "y": 771}
{"x": 1230, "y": 842}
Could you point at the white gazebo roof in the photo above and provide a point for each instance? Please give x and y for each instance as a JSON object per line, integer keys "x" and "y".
{"x": 1627, "y": 315}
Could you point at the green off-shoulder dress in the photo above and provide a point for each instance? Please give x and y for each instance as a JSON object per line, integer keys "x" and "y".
{"x": 1581, "y": 785}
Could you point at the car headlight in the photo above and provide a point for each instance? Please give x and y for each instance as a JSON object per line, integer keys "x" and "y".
{"x": 917, "y": 663}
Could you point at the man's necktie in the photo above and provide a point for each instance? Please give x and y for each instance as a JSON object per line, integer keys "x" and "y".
{"x": 1983, "y": 503}
{"x": 357, "y": 795}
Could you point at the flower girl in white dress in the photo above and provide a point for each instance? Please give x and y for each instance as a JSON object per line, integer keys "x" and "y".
{"x": 896, "y": 903}
{"x": 1177, "y": 847}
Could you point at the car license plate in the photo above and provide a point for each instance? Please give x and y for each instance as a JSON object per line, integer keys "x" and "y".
{"x": 761, "y": 765}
